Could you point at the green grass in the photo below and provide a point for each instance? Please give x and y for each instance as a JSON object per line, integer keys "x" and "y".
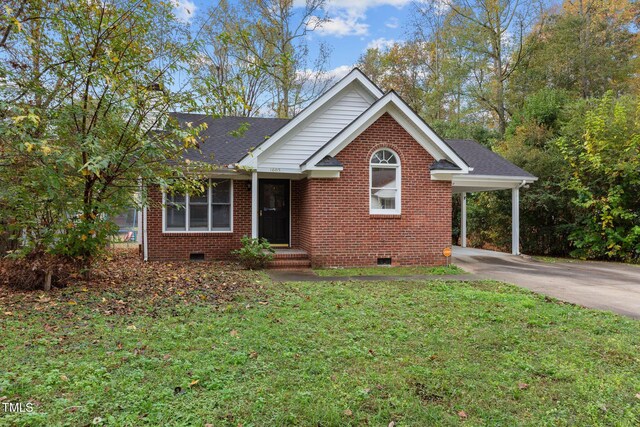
{"x": 329, "y": 354}
{"x": 389, "y": 271}
{"x": 555, "y": 260}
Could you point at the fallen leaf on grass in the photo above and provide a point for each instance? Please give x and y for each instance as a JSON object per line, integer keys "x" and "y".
{"x": 194, "y": 382}
{"x": 462, "y": 415}
{"x": 523, "y": 386}
{"x": 8, "y": 313}
{"x": 392, "y": 424}
{"x": 637, "y": 395}
{"x": 234, "y": 333}
{"x": 348, "y": 412}
{"x": 64, "y": 378}
{"x": 166, "y": 357}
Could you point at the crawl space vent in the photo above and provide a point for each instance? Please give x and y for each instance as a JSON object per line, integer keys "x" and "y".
{"x": 199, "y": 256}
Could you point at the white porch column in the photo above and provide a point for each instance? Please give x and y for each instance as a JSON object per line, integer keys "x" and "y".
{"x": 463, "y": 220}
{"x": 515, "y": 221}
{"x": 254, "y": 205}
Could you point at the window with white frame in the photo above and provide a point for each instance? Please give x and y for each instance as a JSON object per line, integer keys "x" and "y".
{"x": 384, "y": 173}
{"x": 209, "y": 211}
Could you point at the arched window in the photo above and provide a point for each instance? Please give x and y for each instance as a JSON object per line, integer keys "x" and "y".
{"x": 384, "y": 180}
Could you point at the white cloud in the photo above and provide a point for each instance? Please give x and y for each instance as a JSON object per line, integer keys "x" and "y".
{"x": 348, "y": 18}
{"x": 381, "y": 43}
{"x": 330, "y": 75}
{"x": 184, "y": 10}
{"x": 339, "y": 72}
{"x": 392, "y": 22}
{"x": 339, "y": 26}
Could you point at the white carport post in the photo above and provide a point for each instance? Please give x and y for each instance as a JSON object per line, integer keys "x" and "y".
{"x": 515, "y": 221}
{"x": 254, "y": 204}
{"x": 463, "y": 219}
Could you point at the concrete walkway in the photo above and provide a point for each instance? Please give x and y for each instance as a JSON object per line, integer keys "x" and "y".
{"x": 607, "y": 286}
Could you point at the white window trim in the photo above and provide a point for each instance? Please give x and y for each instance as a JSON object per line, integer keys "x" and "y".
{"x": 209, "y": 209}
{"x": 398, "y": 168}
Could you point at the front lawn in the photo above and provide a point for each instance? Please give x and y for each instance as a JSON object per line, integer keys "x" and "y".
{"x": 341, "y": 353}
{"x": 389, "y": 271}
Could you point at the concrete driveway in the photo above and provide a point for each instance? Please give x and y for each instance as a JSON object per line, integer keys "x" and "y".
{"x": 607, "y": 286}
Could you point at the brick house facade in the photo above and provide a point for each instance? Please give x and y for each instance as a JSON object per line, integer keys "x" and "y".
{"x": 356, "y": 179}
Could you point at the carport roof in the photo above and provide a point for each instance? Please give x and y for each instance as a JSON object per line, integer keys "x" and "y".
{"x": 484, "y": 161}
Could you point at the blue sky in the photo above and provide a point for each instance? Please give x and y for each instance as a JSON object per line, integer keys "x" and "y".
{"x": 354, "y": 26}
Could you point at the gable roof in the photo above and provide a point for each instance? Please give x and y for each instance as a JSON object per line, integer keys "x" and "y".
{"x": 394, "y": 105}
{"x": 484, "y": 161}
{"x": 219, "y": 145}
{"x": 354, "y": 76}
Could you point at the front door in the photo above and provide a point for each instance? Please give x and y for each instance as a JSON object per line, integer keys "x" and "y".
{"x": 273, "y": 210}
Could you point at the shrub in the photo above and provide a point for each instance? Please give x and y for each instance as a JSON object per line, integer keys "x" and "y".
{"x": 254, "y": 253}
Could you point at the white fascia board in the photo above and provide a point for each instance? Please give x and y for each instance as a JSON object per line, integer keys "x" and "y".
{"x": 392, "y": 104}
{"x": 251, "y": 159}
{"x": 491, "y": 181}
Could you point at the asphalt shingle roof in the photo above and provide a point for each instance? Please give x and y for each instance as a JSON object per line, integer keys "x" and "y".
{"x": 484, "y": 161}
{"x": 444, "y": 165}
{"x": 222, "y": 144}
{"x": 329, "y": 161}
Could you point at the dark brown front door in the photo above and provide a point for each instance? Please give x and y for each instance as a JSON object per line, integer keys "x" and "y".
{"x": 274, "y": 210}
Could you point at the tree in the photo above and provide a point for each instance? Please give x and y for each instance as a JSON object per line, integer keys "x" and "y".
{"x": 601, "y": 146}
{"x": 492, "y": 35}
{"x": 86, "y": 86}
{"x": 589, "y": 47}
{"x": 228, "y": 77}
{"x": 270, "y": 38}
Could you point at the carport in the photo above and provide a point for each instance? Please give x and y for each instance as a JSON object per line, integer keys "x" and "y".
{"x": 490, "y": 172}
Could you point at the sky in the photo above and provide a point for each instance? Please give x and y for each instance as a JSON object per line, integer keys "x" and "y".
{"x": 354, "y": 26}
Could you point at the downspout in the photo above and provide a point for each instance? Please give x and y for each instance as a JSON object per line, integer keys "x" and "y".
{"x": 145, "y": 248}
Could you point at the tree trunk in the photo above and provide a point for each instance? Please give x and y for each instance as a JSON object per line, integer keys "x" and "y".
{"x": 47, "y": 280}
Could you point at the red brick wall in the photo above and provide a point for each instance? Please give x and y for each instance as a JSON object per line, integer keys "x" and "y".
{"x": 178, "y": 246}
{"x": 330, "y": 218}
{"x": 337, "y": 228}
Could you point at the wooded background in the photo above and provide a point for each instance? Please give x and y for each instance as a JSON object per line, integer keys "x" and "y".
{"x": 551, "y": 86}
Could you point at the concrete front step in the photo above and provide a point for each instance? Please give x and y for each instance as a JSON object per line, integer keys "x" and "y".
{"x": 280, "y": 264}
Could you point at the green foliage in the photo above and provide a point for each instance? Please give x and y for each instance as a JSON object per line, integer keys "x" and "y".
{"x": 254, "y": 253}
{"x": 411, "y": 352}
{"x": 81, "y": 134}
{"x": 543, "y": 206}
{"x": 602, "y": 149}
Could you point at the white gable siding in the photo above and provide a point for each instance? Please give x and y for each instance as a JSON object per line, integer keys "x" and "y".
{"x": 319, "y": 130}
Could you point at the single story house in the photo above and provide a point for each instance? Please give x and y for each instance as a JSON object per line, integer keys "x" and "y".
{"x": 355, "y": 179}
